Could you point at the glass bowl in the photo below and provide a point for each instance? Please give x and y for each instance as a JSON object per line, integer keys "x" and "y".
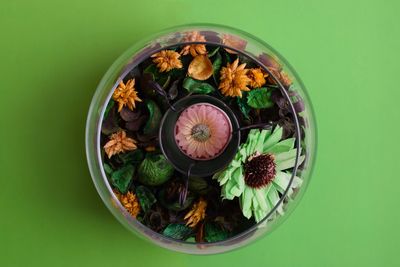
{"x": 246, "y": 45}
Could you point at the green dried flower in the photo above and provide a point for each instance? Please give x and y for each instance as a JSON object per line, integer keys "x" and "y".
{"x": 257, "y": 176}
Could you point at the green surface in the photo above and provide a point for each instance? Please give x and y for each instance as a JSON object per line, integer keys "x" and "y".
{"x": 54, "y": 54}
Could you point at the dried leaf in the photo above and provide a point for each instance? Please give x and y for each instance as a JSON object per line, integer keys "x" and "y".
{"x": 173, "y": 90}
{"x": 214, "y": 232}
{"x": 177, "y": 231}
{"x": 200, "y": 68}
{"x": 146, "y": 197}
{"x": 110, "y": 123}
{"x": 243, "y": 106}
{"x": 198, "y": 185}
{"x": 212, "y": 53}
{"x": 110, "y": 105}
{"x": 121, "y": 178}
{"x": 217, "y": 67}
{"x": 133, "y": 157}
{"x": 153, "y": 123}
{"x": 197, "y": 87}
{"x": 129, "y": 115}
{"x": 136, "y": 124}
{"x": 107, "y": 169}
{"x": 259, "y": 98}
{"x": 176, "y": 206}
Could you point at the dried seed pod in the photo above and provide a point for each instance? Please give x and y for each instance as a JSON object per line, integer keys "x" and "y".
{"x": 200, "y": 68}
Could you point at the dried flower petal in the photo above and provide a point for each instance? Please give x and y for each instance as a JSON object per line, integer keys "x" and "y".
{"x": 126, "y": 95}
{"x": 257, "y": 77}
{"x": 234, "y": 42}
{"x": 130, "y": 202}
{"x": 194, "y": 49}
{"x": 200, "y": 68}
{"x": 197, "y": 213}
{"x": 119, "y": 143}
{"x": 233, "y": 79}
{"x": 167, "y": 60}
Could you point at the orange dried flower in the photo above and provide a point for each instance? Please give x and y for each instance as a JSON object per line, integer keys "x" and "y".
{"x": 119, "y": 143}
{"x": 233, "y": 79}
{"x": 130, "y": 202}
{"x": 282, "y": 76}
{"x": 126, "y": 95}
{"x": 285, "y": 79}
{"x": 194, "y": 49}
{"x": 233, "y": 41}
{"x": 257, "y": 77}
{"x": 197, "y": 213}
{"x": 167, "y": 60}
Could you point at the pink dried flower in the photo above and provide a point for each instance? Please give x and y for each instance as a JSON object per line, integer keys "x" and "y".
{"x": 202, "y": 131}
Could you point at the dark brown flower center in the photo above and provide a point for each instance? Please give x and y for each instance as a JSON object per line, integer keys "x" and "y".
{"x": 201, "y": 132}
{"x": 259, "y": 170}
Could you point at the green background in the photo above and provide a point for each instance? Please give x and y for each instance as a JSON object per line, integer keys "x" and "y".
{"x": 53, "y": 54}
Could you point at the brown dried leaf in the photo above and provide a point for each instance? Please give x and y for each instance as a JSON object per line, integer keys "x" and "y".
{"x": 200, "y": 68}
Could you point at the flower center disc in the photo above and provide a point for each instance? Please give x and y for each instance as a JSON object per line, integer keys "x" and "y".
{"x": 202, "y": 131}
{"x": 260, "y": 170}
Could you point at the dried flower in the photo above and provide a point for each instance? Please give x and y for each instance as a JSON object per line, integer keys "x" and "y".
{"x": 200, "y": 68}
{"x": 194, "y": 49}
{"x": 234, "y": 42}
{"x": 285, "y": 79}
{"x": 126, "y": 95}
{"x": 202, "y": 131}
{"x": 130, "y": 202}
{"x": 282, "y": 76}
{"x": 119, "y": 143}
{"x": 234, "y": 79}
{"x": 257, "y": 77}
{"x": 167, "y": 60}
{"x": 197, "y": 213}
{"x": 257, "y": 175}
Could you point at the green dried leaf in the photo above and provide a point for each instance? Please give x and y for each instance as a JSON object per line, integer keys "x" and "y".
{"x": 216, "y": 67}
{"x": 243, "y": 106}
{"x": 212, "y": 53}
{"x": 122, "y": 178}
{"x": 259, "y": 98}
{"x": 154, "y": 170}
{"x": 110, "y": 105}
{"x": 133, "y": 157}
{"x": 214, "y": 232}
{"x": 107, "y": 169}
{"x": 198, "y": 185}
{"x": 153, "y": 123}
{"x": 146, "y": 197}
{"x": 175, "y": 205}
{"x": 177, "y": 231}
{"x": 197, "y": 87}
{"x": 152, "y": 69}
